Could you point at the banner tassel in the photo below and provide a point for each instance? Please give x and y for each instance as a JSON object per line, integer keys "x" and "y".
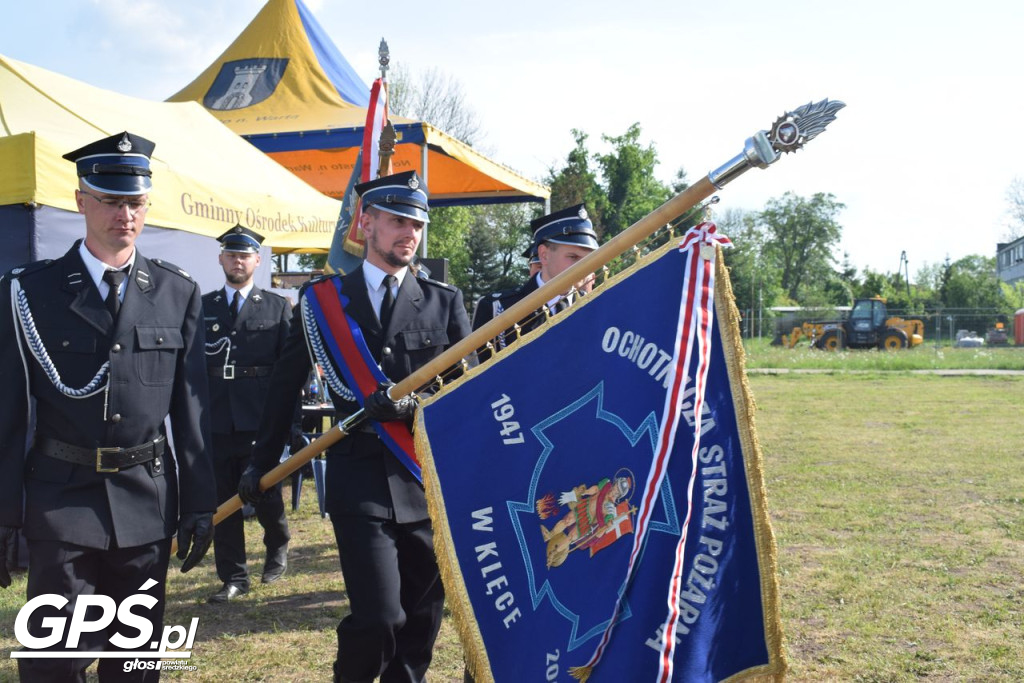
{"x": 581, "y": 673}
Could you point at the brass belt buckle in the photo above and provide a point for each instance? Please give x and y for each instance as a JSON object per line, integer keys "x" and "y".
{"x": 229, "y": 372}
{"x": 99, "y": 459}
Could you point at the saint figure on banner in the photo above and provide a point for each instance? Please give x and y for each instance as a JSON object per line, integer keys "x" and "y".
{"x": 596, "y": 516}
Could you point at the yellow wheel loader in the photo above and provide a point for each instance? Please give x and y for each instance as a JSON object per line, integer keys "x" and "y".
{"x": 869, "y": 326}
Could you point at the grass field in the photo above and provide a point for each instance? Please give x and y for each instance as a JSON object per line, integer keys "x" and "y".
{"x": 898, "y": 506}
{"x": 925, "y": 357}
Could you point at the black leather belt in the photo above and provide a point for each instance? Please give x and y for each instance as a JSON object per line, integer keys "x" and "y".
{"x": 235, "y": 371}
{"x": 104, "y": 459}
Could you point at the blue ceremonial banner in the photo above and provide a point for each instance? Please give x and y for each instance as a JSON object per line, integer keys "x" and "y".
{"x": 561, "y": 546}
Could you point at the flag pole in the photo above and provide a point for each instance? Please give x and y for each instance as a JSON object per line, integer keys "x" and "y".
{"x": 790, "y": 132}
{"x": 388, "y": 138}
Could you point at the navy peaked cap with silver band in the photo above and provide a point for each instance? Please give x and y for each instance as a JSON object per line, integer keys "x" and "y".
{"x": 531, "y": 253}
{"x": 241, "y": 239}
{"x": 403, "y": 194}
{"x": 568, "y": 226}
{"x": 115, "y": 165}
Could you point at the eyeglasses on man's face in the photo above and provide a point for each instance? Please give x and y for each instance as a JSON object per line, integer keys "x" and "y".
{"x": 118, "y": 204}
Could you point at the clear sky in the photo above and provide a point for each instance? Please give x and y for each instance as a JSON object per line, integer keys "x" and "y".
{"x": 922, "y": 156}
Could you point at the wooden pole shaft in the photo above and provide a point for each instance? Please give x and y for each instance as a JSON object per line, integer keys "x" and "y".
{"x": 613, "y": 248}
{"x": 625, "y": 240}
{"x": 271, "y": 478}
{"x": 758, "y": 151}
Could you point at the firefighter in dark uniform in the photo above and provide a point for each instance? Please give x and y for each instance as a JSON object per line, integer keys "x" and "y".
{"x": 246, "y": 328}
{"x": 560, "y": 239}
{"x": 106, "y": 343}
{"x": 377, "y": 507}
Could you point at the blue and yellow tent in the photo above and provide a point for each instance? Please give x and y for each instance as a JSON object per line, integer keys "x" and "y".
{"x": 205, "y": 178}
{"x": 285, "y": 87}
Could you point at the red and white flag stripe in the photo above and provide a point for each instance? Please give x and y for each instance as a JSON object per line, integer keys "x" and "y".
{"x": 376, "y": 118}
{"x": 696, "y": 311}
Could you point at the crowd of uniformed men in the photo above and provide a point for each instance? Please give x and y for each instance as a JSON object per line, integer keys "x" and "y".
{"x": 133, "y": 405}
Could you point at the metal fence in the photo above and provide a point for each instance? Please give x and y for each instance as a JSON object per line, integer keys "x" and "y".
{"x": 941, "y": 326}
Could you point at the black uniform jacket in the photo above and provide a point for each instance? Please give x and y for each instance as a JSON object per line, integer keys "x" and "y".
{"x": 493, "y": 305}
{"x": 157, "y": 369}
{"x": 256, "y": 339}
{"x": 428, "y": 317}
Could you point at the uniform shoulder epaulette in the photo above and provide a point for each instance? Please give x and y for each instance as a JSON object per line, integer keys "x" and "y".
{"x": 502, "y": 293}
{"x": 274, "y": 295}
{"x": 494, "y": 296}
{"x": 27, "y": 269}
{"x": 171, "y": 267}
{"x": 436, "y": 283}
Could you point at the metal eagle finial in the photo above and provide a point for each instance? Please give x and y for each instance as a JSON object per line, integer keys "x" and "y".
{"x": 790, "y": 132}
{"x": 383, "y": 57}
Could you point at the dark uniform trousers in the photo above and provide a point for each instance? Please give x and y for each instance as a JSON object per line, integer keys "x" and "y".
{"x": 89, "y": 531}
{"x": 231, "y": 455}
{"x": 70, "y": 570}
{"x": 377, "y": 507}
{"x": 256, "y": 335}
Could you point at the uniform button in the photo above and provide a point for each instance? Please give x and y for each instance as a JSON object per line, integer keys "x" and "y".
{"x": 234, "y": 332}
{"x": 427, "y": 342}
{"x": 115, "y": 348}
{"x": 159, "y": 341}
{"x": 116, "y": 417}
{"x": 65, "y": 343}
{"x": 387, "y": 350}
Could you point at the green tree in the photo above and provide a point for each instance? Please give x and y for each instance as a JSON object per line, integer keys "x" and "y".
{"x": 483, "y": 268}
{"x": 1013, "y": 295}
{"x": 628, "y": 171}
{"x": 926, "y": 286}
{"x": 802, "y": 235}
{"x": 447, "y": 234}
{"x": 754, "y": 280}
{"x": 680, "y": 182}
{"x": 972, "y": 283}
{"x": 510, "y": 225}
{"x": 847, "y": 275}
{"x": 307, "y": 262}
{"x": 577, "y": 183}
{"x": 875, "y": 283}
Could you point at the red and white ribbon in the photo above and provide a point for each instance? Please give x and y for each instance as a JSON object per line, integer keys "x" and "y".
{"x": 696, "y": 314}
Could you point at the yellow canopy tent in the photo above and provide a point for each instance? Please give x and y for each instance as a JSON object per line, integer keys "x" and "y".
{"x": 283, "y": 85}
{"x": 205, "y": 179}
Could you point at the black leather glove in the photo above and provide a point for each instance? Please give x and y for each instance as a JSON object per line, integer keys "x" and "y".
{"x": 8, "y": 536}
{"x": 195, "y": 534}
{"x": 380, "y": 408}
{"x": 249, "y": 486}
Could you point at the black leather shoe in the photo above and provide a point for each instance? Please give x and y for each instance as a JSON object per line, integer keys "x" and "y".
{"x": 276, "y": 564}
{"x": 230, "y": 591}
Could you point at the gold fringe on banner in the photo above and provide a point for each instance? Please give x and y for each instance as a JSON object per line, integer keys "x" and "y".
{"x": 728, "y": 323}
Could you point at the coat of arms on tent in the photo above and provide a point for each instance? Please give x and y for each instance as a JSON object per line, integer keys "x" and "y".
{"x": 244, "y": 82}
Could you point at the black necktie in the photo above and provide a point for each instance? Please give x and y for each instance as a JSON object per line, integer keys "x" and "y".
{"x": 388, "y": 303}
{"x": 114, "y": 278}
{"x": 236, "y": 304}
